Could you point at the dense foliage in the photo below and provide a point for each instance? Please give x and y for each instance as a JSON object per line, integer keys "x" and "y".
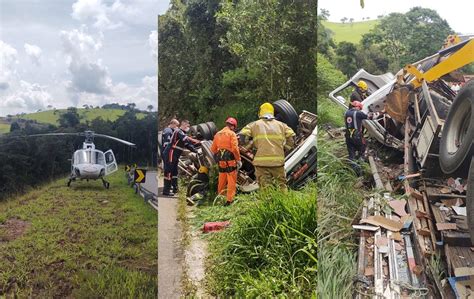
{"x": 218, "y": 58}
{"x": 29, "y": 161}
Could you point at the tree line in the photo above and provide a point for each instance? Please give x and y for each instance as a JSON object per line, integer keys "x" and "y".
{"x": 219, "y": 58}
{"x": 26, "y": 161}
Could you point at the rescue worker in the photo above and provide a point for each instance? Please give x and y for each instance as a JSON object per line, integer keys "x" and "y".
{"x": 360, "y": 92}
{"x": 168, "y": 132}
{"x": 178, "y": 142}
{"x": 270, "y": 137}
{"x": 225, "y": 148}
{"x": 355, "y": 140}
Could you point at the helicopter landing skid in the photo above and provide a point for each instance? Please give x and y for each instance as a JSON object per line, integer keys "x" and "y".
{"x": 105, "y": 183}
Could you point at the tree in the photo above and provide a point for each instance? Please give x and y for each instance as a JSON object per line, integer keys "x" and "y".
{"x": 399, "y": 36}
{"x": 323, "y": 14}
{"x": 69, "y": 119}
{"x": 343, "y": 20}
{"x": 149, "y": 108}
{"x": 346, "y": 60}
{"x": 351, "y": 20}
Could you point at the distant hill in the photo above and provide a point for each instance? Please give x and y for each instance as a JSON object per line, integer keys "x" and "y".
{"x": 350, "y": 32}
{"x": 52, "y": 117}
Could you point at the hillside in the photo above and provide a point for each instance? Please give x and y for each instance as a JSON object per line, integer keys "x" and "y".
{"x": 52, "y": 116}
{"x": 350, "y": 32}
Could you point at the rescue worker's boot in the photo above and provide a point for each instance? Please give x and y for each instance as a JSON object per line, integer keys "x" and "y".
{"x": 174, "y": 185}
{"x": 167, "y": 188}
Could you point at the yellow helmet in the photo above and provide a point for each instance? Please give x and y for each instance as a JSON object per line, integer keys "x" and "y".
{"x": 362, "y": 85}
{"x": 266, "y": 108}
{"x": 203, "y": 169}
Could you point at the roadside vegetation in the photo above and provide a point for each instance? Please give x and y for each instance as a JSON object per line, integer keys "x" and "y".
{"x": 82, "y": 242}
{"x": 268, "y": 250}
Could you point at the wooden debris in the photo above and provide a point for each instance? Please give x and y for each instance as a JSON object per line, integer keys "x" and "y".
{"x": 383, "y": 222}
{"x": 398, "y": 207}
{"x": 365, "y": 227}
{"x": 446, "y": 226}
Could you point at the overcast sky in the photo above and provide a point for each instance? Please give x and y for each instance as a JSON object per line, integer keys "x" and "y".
{"x": 74, "y": 52}
{"x": 458, "y": 13}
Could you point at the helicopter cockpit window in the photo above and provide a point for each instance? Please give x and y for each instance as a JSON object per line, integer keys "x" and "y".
{"x": 109, "y": 157}
{"x": 89, "y": 157}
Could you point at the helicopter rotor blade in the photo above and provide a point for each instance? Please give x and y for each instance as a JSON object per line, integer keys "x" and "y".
{"x": 56, "y": 134}
{"x": 115, "y": 139}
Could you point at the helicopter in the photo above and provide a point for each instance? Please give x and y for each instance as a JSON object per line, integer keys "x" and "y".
{"x": 90, "y": 163}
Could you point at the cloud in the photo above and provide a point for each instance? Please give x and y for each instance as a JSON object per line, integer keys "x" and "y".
{"x": 28, "y": 96}
{"x": 33, "y": 52}
{"x": 88, "y": 73}
{"x": 8, "y": 61}
{"x": 153, "y": 43}
{"x": 85, "y": 10}
{"x": 118, "y": 14}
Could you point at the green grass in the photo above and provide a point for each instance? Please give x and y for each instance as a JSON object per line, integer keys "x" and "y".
{"x": 338, "y": 202}
{"x": 350, "y": 32}
{"x": 269, "y": 249}
{"x": 4, "y": 128}
{"x": 86, "y": 115}
{"x": 82, "y": 242}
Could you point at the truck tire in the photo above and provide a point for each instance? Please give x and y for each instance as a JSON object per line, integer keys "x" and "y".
{"x": 193, "y": 131}
{"x": 470, "y": 201}
{"x": 208, "y": 155}
{"x": 204, "y": 131}
{"x": 286, "y": 113}
{"x": 456, "y": 148}
{"x": 212, "y": 128}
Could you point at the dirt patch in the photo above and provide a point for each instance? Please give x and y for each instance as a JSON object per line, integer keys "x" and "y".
{"x": 13, "y": 229}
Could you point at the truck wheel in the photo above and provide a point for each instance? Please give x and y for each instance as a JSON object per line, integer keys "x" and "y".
{"x": 457, "y": 137}
{"x": 206, "y": 150}
{"x": 286, "y": 113}
{"x": 470, "y": 201}
{"x": 204, "y": 131}
{"x": 193, "y": 131}
{"x": 212, "y": 128}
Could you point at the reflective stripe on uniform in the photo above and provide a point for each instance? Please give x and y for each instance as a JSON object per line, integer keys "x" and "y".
{"x": 268, "y": 158}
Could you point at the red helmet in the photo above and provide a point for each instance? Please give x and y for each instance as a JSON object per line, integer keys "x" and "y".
{"x": 357, "y": 104}
{"x": 231, "y": 121}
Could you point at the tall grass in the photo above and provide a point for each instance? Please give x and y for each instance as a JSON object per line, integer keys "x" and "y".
{"x": 338, "y": 201}
{"x": 270, "y": 248}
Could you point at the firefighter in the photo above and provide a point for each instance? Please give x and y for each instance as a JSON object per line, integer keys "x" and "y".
{"x": 271, "y": 138}
{"x": 225, "y": 147}
{"x": 355, "y": 140}
{"x": 178, "y": 142}
{"x": 360, "y": 92}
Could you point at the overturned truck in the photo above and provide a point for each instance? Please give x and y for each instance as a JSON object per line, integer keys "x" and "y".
{"x": 433, "y": 126}
{"x": 300, "y": 163}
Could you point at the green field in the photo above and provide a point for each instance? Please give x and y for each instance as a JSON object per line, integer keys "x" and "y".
{"x": 85, "y": 114}
{"x": 4, "y": 128}
{"x": 79, "y": 242}
{"x": 350, "y": 32}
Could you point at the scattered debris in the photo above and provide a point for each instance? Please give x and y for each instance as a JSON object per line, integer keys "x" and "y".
{"x": 215, "y": 226}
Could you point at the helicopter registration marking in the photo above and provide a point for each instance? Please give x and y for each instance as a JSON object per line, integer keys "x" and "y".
{"x": 139, "y": 175}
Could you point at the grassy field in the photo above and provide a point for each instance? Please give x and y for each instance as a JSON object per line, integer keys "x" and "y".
{"x": 85, "y": 114}
{"x": 269, "y": 249}
{"x": 79, "y": 242}
{"x": 350, "y": 32}
{"x": 4, "y": 128}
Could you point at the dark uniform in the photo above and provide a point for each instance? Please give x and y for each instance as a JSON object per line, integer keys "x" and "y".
{"x": 178, "y": 141}
{"x": 166, "y": 137}
{"x": 354, "y": 136}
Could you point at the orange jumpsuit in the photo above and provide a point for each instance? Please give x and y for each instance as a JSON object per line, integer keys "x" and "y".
{"x": 226, "y": 146}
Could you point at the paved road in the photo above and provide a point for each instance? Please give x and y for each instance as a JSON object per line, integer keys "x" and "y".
{"x": 170, "y": 252}
{"x": 151, "y": 183}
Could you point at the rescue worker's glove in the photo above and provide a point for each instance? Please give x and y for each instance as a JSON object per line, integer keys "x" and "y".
{"x": 239, "y": 165}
